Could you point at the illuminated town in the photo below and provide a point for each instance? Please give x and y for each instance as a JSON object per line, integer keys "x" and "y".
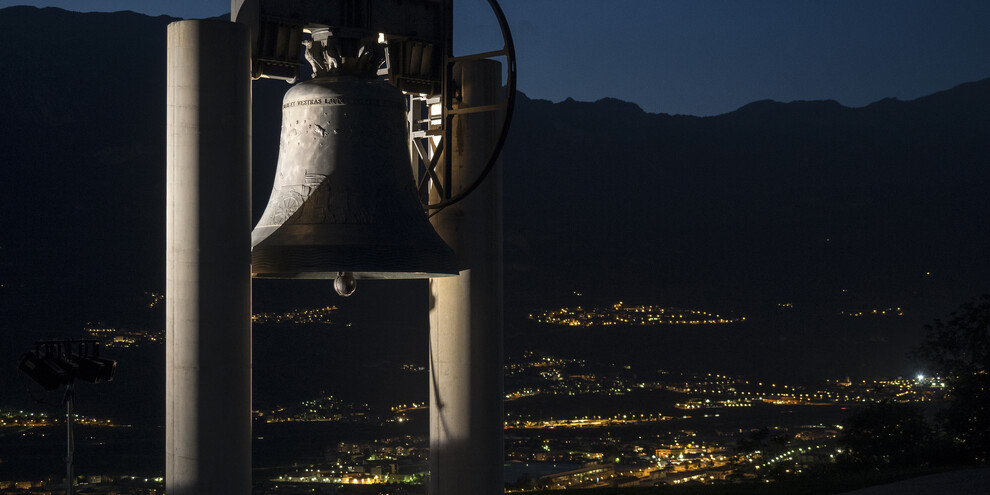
{"x": 569, "y": 422}
{"x": 297, "y": 316}
{"x": 22, "y": 420}
{"x": 622, "y": 314}
{"x": 874, "y": 313}
{"x": 678, "y": 427}
{"x": 113, "y": 336}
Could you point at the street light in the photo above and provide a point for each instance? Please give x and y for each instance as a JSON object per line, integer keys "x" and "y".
{"x": 53, "y": 363}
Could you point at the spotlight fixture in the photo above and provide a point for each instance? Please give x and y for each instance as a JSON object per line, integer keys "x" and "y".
{"x": 93, "y": 369}
{"x": 53, "y": 363}
{"x": 45, "y": 371}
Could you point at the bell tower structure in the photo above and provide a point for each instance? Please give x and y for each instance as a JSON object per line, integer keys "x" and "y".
{"x": 392, "y": 132}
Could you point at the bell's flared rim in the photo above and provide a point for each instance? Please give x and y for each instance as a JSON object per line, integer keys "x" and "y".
{"x": 383, "y": 262}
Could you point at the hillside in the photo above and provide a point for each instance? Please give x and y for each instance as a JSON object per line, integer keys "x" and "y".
{"x": 812, "y": 203}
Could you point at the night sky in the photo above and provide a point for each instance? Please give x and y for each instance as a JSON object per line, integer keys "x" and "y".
{"x": 706, "y": 57}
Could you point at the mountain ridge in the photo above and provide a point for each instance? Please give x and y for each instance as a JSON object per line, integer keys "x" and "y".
{"x": 807, "y": 202}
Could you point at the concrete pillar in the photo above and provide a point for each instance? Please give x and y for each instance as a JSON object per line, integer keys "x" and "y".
{"x": 208, "y": 260}
{"x": 466, "y": 370}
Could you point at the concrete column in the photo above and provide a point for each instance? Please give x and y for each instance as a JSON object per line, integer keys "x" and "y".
{"x": 466, "y": 370}
{"x": 208, "y": 260}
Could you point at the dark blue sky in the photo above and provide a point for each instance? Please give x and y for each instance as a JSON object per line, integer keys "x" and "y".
{"x": 704, "y": 57}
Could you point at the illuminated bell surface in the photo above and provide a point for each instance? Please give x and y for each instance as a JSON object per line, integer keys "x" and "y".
{"x": 344, "y": 199}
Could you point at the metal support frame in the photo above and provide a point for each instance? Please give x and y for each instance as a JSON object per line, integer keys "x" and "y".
{"x": 443, "y": 126}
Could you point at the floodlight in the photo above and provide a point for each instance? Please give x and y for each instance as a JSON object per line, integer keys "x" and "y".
{"x": 92, "y": 369}
{"x": 45, "y": 371}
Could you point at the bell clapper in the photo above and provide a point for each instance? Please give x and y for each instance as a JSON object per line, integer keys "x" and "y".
{"x": 345, "y": 283}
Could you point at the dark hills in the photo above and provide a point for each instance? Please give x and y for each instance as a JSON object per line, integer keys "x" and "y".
{"x": 810, "y": 202}
{"x": 746, "y": 200}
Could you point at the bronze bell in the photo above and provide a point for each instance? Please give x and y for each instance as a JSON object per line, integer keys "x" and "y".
{"x": 344, "y": 202}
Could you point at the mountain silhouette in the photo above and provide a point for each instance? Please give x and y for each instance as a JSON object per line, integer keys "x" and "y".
{"x": 775, "y": 200}
{"x": 807, "y": 202}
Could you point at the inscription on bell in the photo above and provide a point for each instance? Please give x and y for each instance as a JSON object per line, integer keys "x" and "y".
{"x": 333, "y": 100}
{"x": 344, "y": 198}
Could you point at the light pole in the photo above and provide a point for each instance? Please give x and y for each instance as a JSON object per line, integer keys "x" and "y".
{"x": 54, "y": 363}
{"x": 70, "y": 442}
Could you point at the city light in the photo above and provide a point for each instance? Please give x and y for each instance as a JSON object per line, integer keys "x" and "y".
{"x": 621, "y": 314}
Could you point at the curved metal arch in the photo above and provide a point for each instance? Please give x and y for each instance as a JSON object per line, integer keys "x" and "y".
{"x": 509, "y": 51}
